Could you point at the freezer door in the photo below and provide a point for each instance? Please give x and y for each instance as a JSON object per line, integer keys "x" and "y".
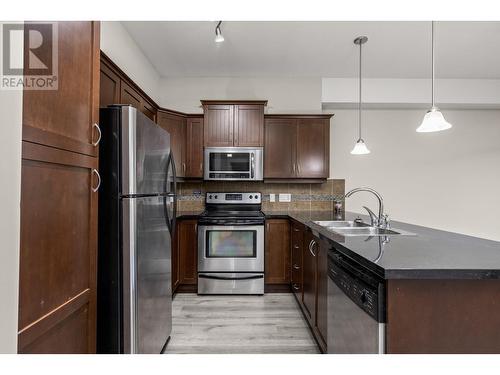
{"x": 145, "y": 152}
{"x": 147, "y": 292}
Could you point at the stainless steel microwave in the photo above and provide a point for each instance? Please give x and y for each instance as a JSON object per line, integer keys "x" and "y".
{"x": 234, "y": 163}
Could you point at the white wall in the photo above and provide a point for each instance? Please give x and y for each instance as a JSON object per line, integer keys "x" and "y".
{"x": 404, "y": 93}
{"x": 119, "y": 46}
{"x": 448, "y": 180}
{"x": 10, "y": 164}
{"x": 283, "y": 94}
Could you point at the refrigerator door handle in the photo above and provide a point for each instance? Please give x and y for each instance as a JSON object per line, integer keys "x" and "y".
{"x": 170, "y": 194}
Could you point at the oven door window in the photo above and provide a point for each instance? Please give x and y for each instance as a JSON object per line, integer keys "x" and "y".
{"x": 230, "y": 162}
{"x": 231, "y": 244}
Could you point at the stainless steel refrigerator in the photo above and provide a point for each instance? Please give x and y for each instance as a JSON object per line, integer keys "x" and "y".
{"x": 137, "y": 209}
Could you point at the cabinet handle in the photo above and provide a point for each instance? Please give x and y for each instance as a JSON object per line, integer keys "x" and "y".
{"x": 296, "y": 230}
{"x": 310, "y": 247}
{"x": 184, "y": 167}
{"x": 295, "y": 287}
{"x": 94, "y": 171}
{"x": 94, "y": 125}
{"x": 295, "y": 246}
{"x": 298, "y": 169}
{"x": 296, "y": 267}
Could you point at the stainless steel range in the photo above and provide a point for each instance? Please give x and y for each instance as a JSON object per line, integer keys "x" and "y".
{"x": 231, "y": 244}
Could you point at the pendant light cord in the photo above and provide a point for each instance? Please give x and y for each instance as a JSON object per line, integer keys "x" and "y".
{"x": 359, "y": 103}
{"x": 432, "y": 57}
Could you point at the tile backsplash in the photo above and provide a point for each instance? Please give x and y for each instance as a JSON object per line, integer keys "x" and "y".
{"x": 316, "y": 197}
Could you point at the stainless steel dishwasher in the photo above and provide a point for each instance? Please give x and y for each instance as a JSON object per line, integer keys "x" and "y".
{"x": 356, "y": 308}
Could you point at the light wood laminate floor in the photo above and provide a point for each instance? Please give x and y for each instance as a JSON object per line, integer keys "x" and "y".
{"x": 272, "y": 323}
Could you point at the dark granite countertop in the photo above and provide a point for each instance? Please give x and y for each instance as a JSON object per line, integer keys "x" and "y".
{"x": 430, "y": 254}
{"x": 188, "y": 214}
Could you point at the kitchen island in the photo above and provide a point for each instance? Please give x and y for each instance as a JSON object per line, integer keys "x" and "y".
{"x": 442, "y": 289}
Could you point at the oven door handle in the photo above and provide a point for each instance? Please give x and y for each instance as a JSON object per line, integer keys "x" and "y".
{"x": 230, "y": 223}
{"x": 252, "y": 277}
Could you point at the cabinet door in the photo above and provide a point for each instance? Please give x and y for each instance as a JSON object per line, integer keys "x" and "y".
{"x": 130, "y": 96}
{"x": 277, "y": 252}
{"x": 218, "y": 123}
{"x": 188, "y": 251}
{"x": 297, "y": 240}
{"x": 249, "y": 125}
{"x": 279, "y": 152}
{"x": 109, "y": 92}
{"x": 321, "y": 251}
{"x": 148, "y": 109}
{"x": 64, "y": 118}
{"x": 58, "y": 257}
{"x": 194, "y": 147}
{"x": 313, "y": 139}
{"x": 176, "y": 126}
{"x": 309, "y": 278}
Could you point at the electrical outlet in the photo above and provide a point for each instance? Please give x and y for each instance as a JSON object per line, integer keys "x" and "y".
{"x": 272, "y": 197}
{"x": 285, "y": 197}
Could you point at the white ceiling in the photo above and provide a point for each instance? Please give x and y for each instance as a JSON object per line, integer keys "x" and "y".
{"x": 319, "y": 49}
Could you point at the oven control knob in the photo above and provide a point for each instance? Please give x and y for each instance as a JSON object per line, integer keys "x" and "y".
{"x": 209, "y": 197}
{"x": 250, "y": 197}
{"x": 215, "y": 197}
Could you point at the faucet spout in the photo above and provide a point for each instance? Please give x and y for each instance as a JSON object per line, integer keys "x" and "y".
{"x": 380, "y": 218}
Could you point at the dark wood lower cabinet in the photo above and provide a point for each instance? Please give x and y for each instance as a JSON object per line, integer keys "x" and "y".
{"x": 277, "y": 252}
{"x": 322, "y": 291}
{"x": 309, "y": 278}
{"x": 443, "y": 316}
{"x": 188, "y": 252}
{"x": 185, "y": 256}
{"x": 57, "y": 286}
{"x": 297, "y": 240}
{"x": 314, "y": 280}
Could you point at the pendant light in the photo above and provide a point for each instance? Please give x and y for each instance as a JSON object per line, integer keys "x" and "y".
{"x": 433, "y": 120}
{"x": 218, "y": 34}
{"x": 360, "y": 146}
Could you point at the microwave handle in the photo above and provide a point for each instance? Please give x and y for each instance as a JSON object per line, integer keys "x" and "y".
{"x": 252, "y": 165}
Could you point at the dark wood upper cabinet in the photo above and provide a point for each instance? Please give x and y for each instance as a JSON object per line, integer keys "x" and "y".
{"x": 313, "y": 140}
{"x": 110, "y": 86}
{"x": 117, "y": 88}
{"x": 188, "y": 252}
{"x": 233, "y": 123}
{"x": 176, "y": 125}
{"x": 148, "y": 109}
{"x": 65, "y": 118}
{"x": 219, "y": 123}
{"x": 297, "y": 147}
{"x": 194, "y": 147}
{"x": 279, "y": 148}
{"x": 249, "y": 125}
{"x": 129, "y": 95}
{"x": 277, "y": 252}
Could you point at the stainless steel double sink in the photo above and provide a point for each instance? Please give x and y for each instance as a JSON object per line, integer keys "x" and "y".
{"x": 359, "y": 228}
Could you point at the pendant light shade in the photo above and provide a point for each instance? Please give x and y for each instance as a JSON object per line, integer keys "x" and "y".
{"x": 433, "y": 120}
{"x": 360, "y": 146}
